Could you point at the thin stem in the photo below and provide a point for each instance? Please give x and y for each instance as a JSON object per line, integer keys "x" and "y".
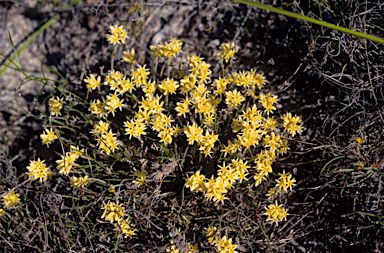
{"x": 113, "y": 56}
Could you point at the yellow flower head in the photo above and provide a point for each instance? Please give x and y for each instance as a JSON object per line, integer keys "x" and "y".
{"x": 118, "y": 34}
{"x": 38, "y": 170}
{"x": 129, "y": 56}
{"x": 227, "y": 51}
{"x": 11, "y": 199}
{"x": 92, "y": 82}
{"x": 48, "y": 137}
{"x": 79, "y": 181}
{"x": 55, "y": 105}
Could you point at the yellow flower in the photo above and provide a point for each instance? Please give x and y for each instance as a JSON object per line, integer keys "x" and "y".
{"x": 358, "y": 140}
{"x": 196, "y": 182}
{"x": 124, "y": 228}
{"x": 227, "y": 51}
{"x": 96, "y": 107}
{"x": 48, "y": 137}
{"x": 100, "y": 128}
{"x": 168, "y": 86}
{"x": 92, "y": 82}
{"x": 113, "y": 39}
{"x": 111, "y": 189}
{"x": 38, "y": 170}
{"x": 291, "y": 124}
{"x": 108, "y": 143}
{"x": 182, "y": 107}
{"x": 225, "y": 245}
{"x": 55, "y": 105}
{"x": 220, "y": 85}
{"x": 135, "y": 128}
{"x": 167, "y": 50}
{"x": 192, "y": 248}
{"x": 140, "y": 75}
{"x": 187, "y": 83}
{"x": 234, "y": 98}
{"x": 66, "y": 163}
{"x": 193, "y": 133}
{"x": 113, "y": 102}
{"x": 11, "y": 199}
{"x": 79, "y": 182}
{"x": 172, "y": 249}
{"x": 275, "y": 213}
{"x": 268, "y": 100}
{"x": 129, "y": 56}
{"x": 113, "y": 212}
{"x": 2, "y": 212}
{"x": 118, "y": 34}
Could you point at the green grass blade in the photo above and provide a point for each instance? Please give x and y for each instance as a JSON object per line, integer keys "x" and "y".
{"x": 312, "y": 20}
{"x": 34, "y": 35}
{"x": 325, "y": 166}
{"x": 362, "y": 180}
{"x": 14, "y": 50}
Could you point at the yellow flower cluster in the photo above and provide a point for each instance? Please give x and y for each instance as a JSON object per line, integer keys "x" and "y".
{"x": 140, "y": 76}
{"x": 199, "y": 68}
{"x": 167, "y": 50}
{"x": 112, "y": 103}
{"x": 97, "y": 107}
{"x": 118, "y": 34}
{"x": 215, "y": 189}
{"x": 79, "y": 181}
{"x": 223, "y": 244}
{"x": 92, "y": 82}
{"x": 129, "y": 57}
{"x": 292, "y": 124}
{"x": 267, "y": 101}
{"x": 55, "y": 105}
{"x": 118, "y": 82}
{"x": 67, "y": 161}
{"x": 48, "y": 137}
{"x": 283, "y": 183}
{"x": 108, "y": 142}
{"x": 168, "y": 86}
{"x": 227, "y": 51}
{"x": 212, "y": 234}
{"x": 100, "y": 128}
{"x": 135, "y": 128}
{"x": 38, "y": 170}
{"x": 275, "y": 213}
{"x": 114, "y": 213}
{"x": 234, "y": 98}
{"x": 204, "y": 105}
{"x": 182, "y": 107}
{"x": 124, "y": 229}
{"x": 11, "y": 199}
